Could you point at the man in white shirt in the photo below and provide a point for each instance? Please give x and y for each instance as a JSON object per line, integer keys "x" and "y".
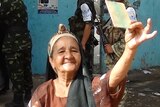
{"x": 84, "y": 31}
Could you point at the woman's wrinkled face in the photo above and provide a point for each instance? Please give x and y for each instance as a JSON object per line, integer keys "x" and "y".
{"x": 66, "y": 55}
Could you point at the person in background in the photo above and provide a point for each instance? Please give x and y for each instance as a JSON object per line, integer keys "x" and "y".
{"x": 115, "y": 36}
{"x": 71, "y": 88}
{"x": 16, "y": 48}
{"x": 84, "y": 30}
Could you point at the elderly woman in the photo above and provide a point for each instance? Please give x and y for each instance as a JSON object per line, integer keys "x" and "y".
{"x": 71, "y": 88}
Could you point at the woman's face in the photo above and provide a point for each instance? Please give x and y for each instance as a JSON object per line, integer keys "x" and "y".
{"x": 66, "y": 55}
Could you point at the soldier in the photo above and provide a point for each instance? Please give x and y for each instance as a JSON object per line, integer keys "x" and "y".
{"x": 17, "y": 50}
{"x": 82, "y": 26}
{"x": 115, "y": 36}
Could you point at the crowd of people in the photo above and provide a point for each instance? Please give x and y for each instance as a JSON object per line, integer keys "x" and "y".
{"x": 70, "y": 81}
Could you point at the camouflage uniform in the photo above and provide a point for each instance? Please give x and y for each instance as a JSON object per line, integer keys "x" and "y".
{"x": 17, "y": 45}
{"x": 116, "y": 39}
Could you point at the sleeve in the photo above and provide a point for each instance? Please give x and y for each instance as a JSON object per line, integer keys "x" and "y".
{"x": 36, "y": 100}
{"x": 86, "y": 13}
{"x": 39, "y": 97}
{"x": 118, "y": 95}
{"x": 132, "y": 13}
{"x": 103, "y": 95}
{"x": 119, "y": 41}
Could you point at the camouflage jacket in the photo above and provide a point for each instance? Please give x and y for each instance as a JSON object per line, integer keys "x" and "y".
{"x": 13, "y": 15}
{"x": 116, "y": 38}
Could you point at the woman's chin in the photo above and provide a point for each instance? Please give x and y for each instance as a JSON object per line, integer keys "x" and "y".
{"x": 69, "y": 68}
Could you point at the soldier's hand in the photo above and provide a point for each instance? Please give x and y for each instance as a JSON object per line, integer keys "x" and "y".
{"x": 108, "y": 48}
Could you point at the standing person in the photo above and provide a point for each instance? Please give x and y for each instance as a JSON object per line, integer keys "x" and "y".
{"x": 17, "y": 47}
{"x": 83, "y": 29}
{"x": 115, "y": 36}
{"x": 71, "y": 88}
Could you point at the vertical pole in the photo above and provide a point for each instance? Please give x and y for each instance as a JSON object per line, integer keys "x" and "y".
{"x": 102, "y": 53}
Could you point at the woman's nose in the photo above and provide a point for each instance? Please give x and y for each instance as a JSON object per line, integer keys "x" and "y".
{"x": 68, "y": 54}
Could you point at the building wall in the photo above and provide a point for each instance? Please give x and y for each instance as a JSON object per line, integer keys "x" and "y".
{"x": 43, "y": 26}
{"x": 149, "y": 53}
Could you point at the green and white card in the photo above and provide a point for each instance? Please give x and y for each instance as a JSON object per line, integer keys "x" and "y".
{"x": 118, "y": 14}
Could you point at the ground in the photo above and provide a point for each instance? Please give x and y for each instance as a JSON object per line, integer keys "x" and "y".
{"x": 143, "y": 88}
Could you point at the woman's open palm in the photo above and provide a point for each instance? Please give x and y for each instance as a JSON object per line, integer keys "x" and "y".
{"x": 136, "y": 34}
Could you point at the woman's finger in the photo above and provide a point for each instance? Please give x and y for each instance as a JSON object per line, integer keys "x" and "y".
{"x": 136, "y": 25}
{"x": 147, "y": 29}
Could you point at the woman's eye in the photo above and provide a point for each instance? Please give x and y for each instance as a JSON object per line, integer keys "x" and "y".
{"x": 61, "y": 51}
{"x": 74, "y": 50}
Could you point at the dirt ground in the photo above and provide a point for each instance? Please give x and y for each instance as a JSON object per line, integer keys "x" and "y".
{"x": 143, "y": 88}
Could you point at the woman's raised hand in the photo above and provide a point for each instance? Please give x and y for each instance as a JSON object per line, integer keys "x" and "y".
{"x": 136, "y": 34}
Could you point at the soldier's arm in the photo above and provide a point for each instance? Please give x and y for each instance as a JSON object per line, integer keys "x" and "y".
{"x": 87, "y": 18}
